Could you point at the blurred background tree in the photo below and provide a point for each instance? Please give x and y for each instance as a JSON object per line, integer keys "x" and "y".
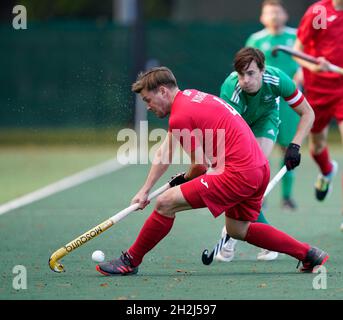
{"x": 184, "y": 10}
{"x": 43, "y": 10}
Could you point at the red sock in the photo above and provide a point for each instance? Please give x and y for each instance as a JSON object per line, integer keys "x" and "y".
{"x": 267, "y": 237}
{"x": 155, "y": 228}
{"x": 323, "y": 161}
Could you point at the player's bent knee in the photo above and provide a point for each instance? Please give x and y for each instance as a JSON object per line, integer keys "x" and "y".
{"x": 318, "y": 143}
{"x": 170, "y": 202}
{"x": 318, "y": 148}
{"x": 236, "y": 235}
{"x": 164, "y": 204}
{"x": 237, "y": 229}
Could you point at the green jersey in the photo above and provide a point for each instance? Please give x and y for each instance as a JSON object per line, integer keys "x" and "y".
{"x": 265, "y": 41}
{"x": 275, "y": 84}
{"x": 261, "y": 111}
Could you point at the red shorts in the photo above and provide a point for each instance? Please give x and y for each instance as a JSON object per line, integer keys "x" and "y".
{"x": 239, "y": 194}
{"x": 325, "y": 111}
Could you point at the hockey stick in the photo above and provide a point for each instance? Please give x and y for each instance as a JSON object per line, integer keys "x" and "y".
{"x": 56, "y": 266}
{"x": 208, "y": 258}
{"x": 304, "y": 56}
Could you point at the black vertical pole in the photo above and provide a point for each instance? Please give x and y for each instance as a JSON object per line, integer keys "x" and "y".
{"x": 139, "y": 55}
{"x": 139, "y": 40}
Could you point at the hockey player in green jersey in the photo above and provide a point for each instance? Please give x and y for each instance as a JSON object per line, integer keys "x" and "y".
{"x": 274, "y": 18}
{"x": 254, "y": 90}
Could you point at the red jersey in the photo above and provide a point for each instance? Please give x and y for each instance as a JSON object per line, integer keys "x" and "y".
{"x": 216, "y": 127}
{"x": 321, "y": 33}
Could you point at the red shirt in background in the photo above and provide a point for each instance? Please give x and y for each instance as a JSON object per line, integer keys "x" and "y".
{"x": 322, "y": 39}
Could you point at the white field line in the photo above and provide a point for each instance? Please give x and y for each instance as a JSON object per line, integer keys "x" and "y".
{"x": 63, "y": 184}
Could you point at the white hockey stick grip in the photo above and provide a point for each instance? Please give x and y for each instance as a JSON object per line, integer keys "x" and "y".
{"x": 275, "y": 180}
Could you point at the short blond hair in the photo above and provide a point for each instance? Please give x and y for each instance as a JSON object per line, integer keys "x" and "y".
{"x": 153, "y": 78}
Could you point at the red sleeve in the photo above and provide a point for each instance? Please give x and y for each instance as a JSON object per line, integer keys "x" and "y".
{"x": 306, "y": 31}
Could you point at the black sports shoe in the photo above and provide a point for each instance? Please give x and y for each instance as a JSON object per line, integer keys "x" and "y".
{"x": 289, "y": 204}
{"x": 117, "y": 267}
{"x": 315, "y": 257}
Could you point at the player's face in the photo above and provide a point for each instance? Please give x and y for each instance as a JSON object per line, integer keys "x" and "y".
{"x": 273, "y": 16}
{"x": 157, "y": 101}
{"x": 251, "y": 79}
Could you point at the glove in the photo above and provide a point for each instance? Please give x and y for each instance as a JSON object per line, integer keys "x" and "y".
{"x": 177, "y": 179}
{"x": 292, "y": 156}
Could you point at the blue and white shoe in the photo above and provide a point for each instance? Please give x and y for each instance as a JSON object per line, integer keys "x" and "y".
{"x": 323, "y": 185}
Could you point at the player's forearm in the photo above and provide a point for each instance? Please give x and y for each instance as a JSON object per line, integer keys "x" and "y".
{"x": 308, "y": 65}
{"x": 305, "y": 124}
{"x": 160, "y": 164}
{"x": 155, "y": 173}
{"x": 305, "y": 64}
{"x": 158, "y": 168}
